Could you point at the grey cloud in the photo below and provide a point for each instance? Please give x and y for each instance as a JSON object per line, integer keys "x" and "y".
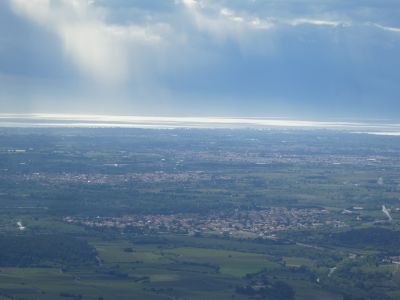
{"x": 168, "y": 57}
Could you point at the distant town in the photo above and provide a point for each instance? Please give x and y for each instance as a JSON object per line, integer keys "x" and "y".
{"x": 261, "y": 223}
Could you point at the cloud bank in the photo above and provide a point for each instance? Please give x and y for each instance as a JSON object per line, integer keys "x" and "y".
{"x": 220, "y": 57}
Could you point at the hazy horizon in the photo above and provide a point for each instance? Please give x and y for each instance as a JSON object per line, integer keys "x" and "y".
{"x": 376, "y": 127}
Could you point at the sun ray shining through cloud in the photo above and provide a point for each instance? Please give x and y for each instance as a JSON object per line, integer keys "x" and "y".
{"x": 99, "y": 49}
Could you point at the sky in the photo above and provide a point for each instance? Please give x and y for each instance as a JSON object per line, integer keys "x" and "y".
{"x": 302, "y": 59}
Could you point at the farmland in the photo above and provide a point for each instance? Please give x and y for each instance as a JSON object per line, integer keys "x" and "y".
{"x": 198, "y": 214}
